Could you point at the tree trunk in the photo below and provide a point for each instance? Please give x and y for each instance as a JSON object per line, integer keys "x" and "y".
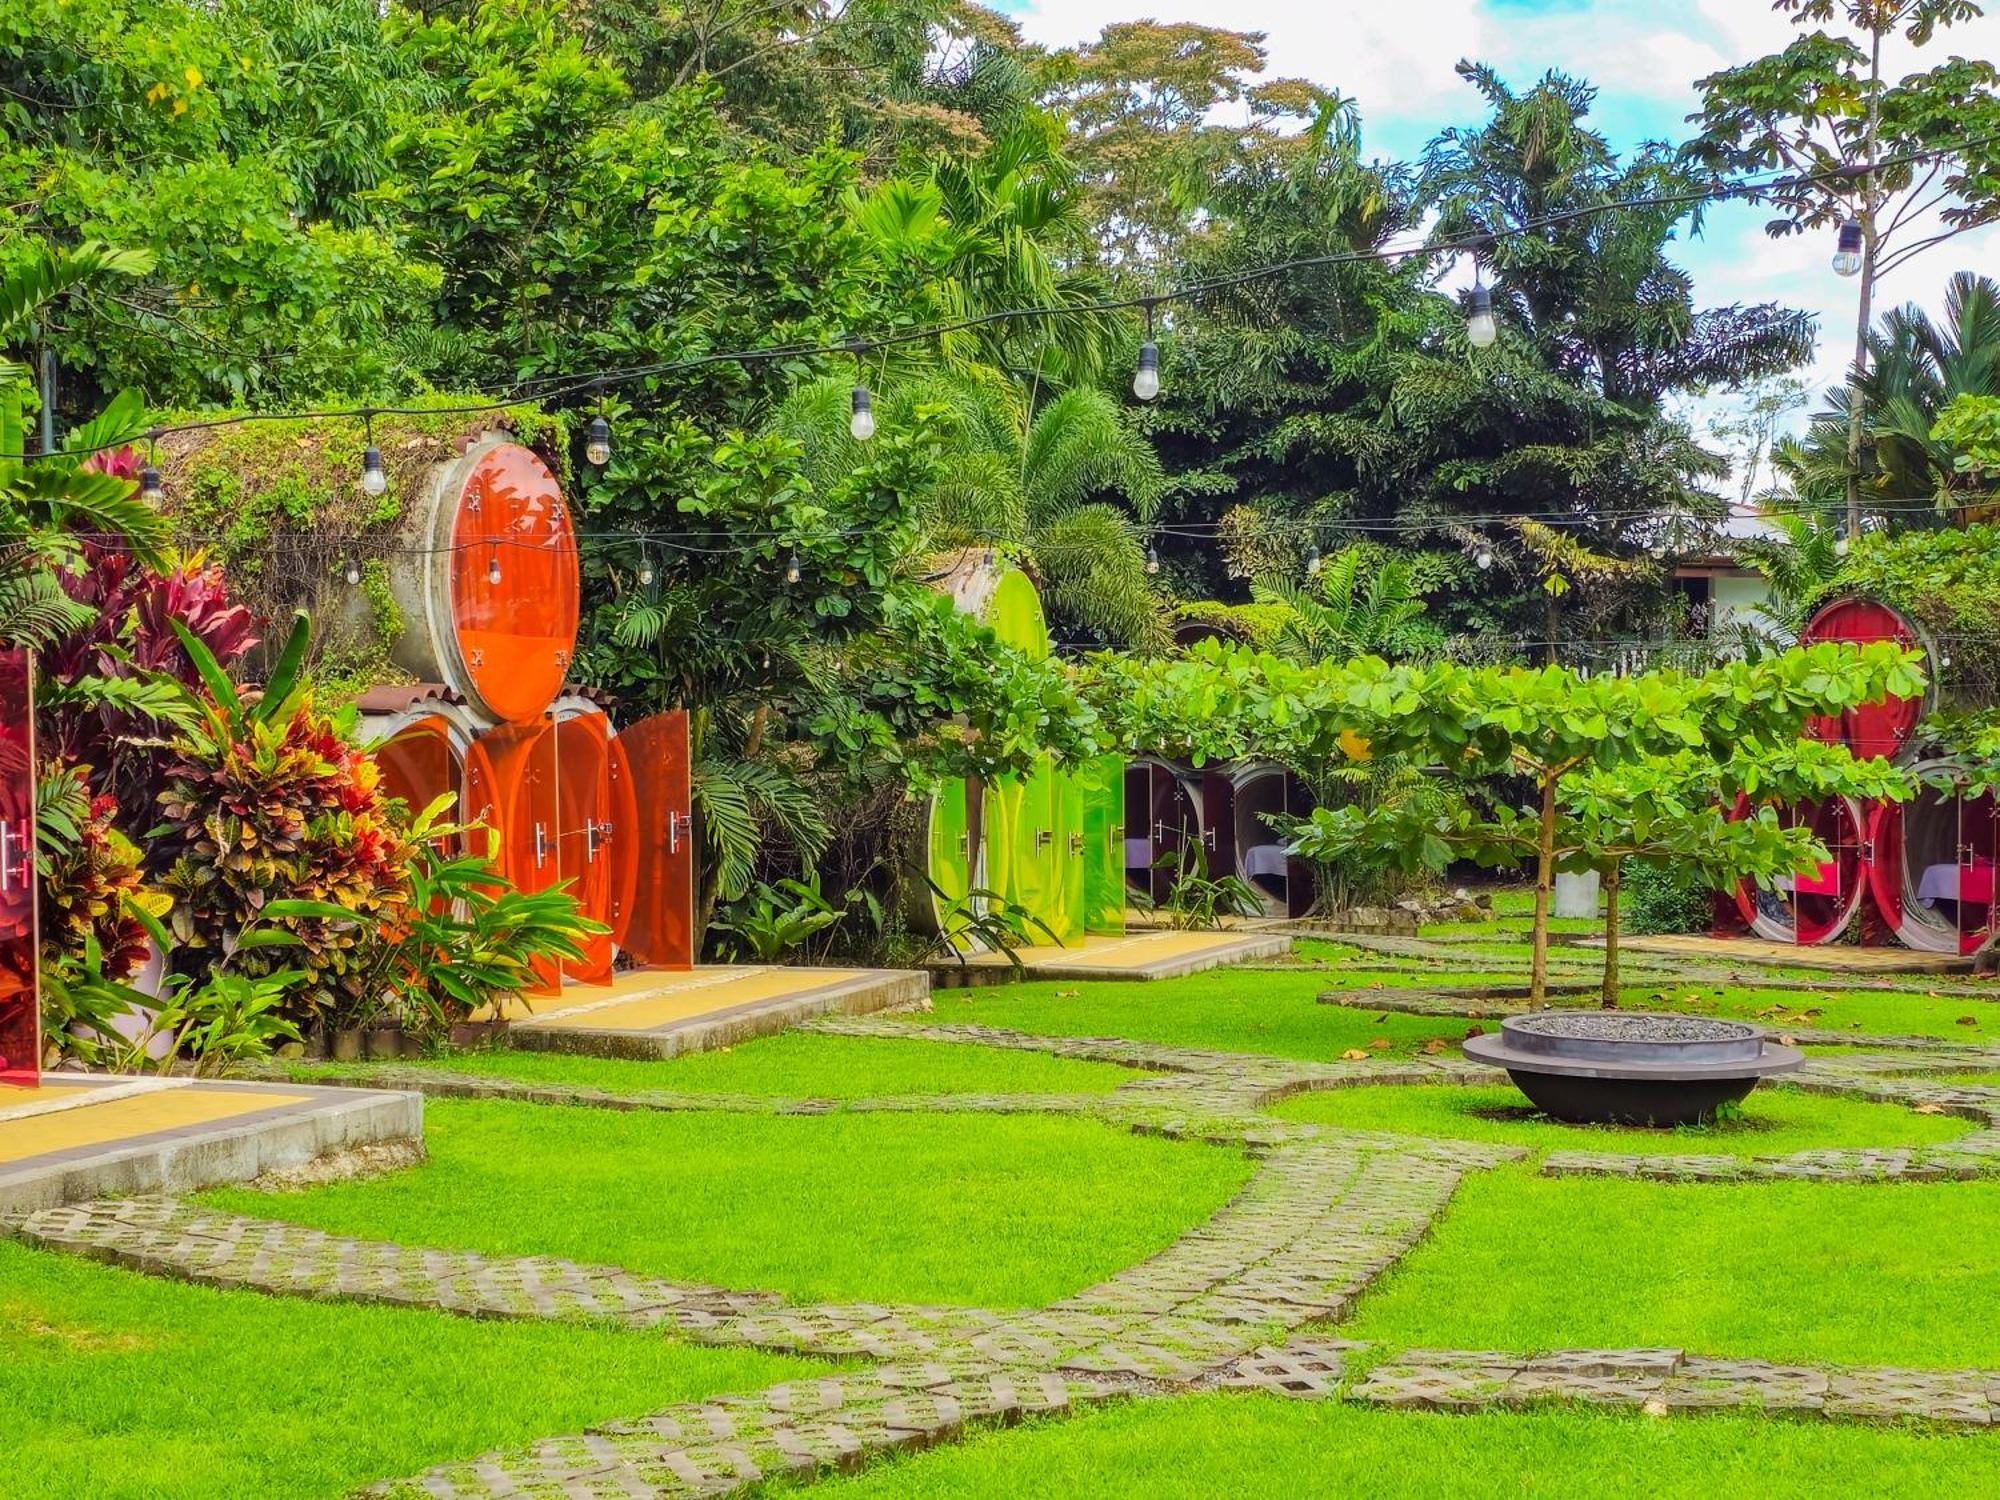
{"x": 1545, "y": 878}
{"x": 1865, "y": 304}
{"x": 1613, "y": 873}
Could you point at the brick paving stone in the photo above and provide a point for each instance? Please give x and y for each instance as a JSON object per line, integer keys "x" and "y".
{"x": 1435, "y": 1387}
{"x": 1958, "y": 1396}
{"x": 1309, "y": 1368}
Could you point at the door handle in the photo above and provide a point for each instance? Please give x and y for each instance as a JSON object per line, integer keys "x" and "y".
{"x": 1043, "y": 838}
{"x": 674, "y": 832}
{"x": 1076, "y": 843}
{"x": 541, "y": 846}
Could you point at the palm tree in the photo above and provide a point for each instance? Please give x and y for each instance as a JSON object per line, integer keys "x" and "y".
{"x": 1017, "y": 479}
{"x": 1917, "y": 366}
{"x": 1352, "y": 610}
{"x": 1006, "y": 228}
{"x": 46, "y": 501}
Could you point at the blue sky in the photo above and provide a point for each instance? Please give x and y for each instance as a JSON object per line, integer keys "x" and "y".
{"x": 1396, "y": 58}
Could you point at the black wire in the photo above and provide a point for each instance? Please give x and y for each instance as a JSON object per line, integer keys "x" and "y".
{"x": 547, "y": 387}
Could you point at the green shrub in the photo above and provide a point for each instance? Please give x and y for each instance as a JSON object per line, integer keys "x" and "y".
{"x": 1664, "y": 898}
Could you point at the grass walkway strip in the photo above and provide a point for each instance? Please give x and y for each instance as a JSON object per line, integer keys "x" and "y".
{"x": 1770, "y": 1120}
{"x": 988, "y": 1211}
{"x": 1198, "y": 1447}
{"x": 796, "y": 1065}
{"x": 123, "y": 1387}
{"x": 1879, "y": 1274}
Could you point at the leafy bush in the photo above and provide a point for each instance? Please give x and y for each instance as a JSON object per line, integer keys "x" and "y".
{"x": 91, "y": 885}
{"x": 264, "y": 800}
{"x": 464, "y": 937}
{"x": 1665, "y": 898}
{"x": 1948, "y": 581}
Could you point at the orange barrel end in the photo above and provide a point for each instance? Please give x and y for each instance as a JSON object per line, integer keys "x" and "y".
{"x": 493, "y": 602}
{"x": 652, "y": 843}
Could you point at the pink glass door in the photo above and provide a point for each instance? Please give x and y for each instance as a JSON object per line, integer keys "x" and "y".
{"x": 20, "y": 993}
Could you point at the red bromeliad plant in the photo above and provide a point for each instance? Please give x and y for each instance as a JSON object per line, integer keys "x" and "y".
{"x": 265, "y": 800}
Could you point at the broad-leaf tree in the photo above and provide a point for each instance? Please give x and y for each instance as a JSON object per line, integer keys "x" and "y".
{"x": 1912, "y": 160}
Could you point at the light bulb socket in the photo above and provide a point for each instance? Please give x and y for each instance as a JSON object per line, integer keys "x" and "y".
{"x": 861, "y": 414}
{"x": 597, "y": 441}
{"x": 1146, "y": 379}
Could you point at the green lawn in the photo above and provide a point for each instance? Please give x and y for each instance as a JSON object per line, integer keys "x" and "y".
{"x": 1771, "y": 1119}
{"x": 1238, "y": 1011}
{"x": 1889, "y": 1274}
{"x": 1199, "y": 1447}
{"x": 120, "y": 1385}
{"x": 798, "y": 1064}
{"x": 994, "y": 1211}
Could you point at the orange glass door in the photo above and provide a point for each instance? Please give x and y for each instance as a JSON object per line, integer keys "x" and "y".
{"x": 655, "y": 861}
{"x": 584, "y": 833}
{"x": 20, "y": 993}
{"x": 521, "y": 760}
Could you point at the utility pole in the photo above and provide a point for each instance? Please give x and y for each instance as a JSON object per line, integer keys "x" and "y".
{"x": 1865, "y": 308}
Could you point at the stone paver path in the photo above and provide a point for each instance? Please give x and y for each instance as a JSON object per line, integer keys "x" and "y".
{"x": 1237, "y": 1302}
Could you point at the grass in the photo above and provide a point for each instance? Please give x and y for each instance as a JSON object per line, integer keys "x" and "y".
{"x": 1196, "y": 1447}
{"x": 116, "y": 1385}
{"x": 985, "y": 1210}
{"x": 1770, "y": 1120}
{"x": 799, "y": 1064}
{"x": 1271, "y": 1012}
{"x": 1888, "y": 1274}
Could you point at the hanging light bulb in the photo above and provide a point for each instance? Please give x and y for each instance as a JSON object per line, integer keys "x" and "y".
{"x": 150, "y": 489}
{"x": 1152, "y": 558}
{"x": 1146, "y": 379}
{"x": 353, "y": 572}
{"x": 493, "y": 569}
{"x": 792, "y": 570}
{"x": 1847, "y": 252}
{"x": 597, "y": 441}
{"x": 645, "y": 570}
{"x": 1313, "y": 560}
{"x": 1483, "y": 558}
{"x": 1480, "y": 329}
{"x": 861, "y": 421}
{"x": 374, "y": 477}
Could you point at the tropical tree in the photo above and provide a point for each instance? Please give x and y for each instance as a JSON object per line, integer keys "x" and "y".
{"x": 1041, "y": 481}
{"x": 1354, "y": 604}
{"x": 1908, "y": 162}
{"x": 975, "y": 234}
{"x": 1917, "y": 368}
{"x": 48, "y": 502}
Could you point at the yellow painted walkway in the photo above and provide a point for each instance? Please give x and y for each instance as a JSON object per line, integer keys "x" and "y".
{"x": 125, "y": 1116}
{"x": 645, "y": 998}
{"x": 1134, "y": 950}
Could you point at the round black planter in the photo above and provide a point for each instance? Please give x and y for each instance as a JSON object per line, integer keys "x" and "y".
{"x": 1601, "y": 1067}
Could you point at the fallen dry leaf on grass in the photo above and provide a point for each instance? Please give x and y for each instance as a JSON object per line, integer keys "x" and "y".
{"x": 1968, "y": 1020}
{"x": 1379, "y": 1043}
{"x": 1354, "y": 1054}
{"x": 1434, "y": 1046}
{"x": 1475, "y": 1031}
{"x": 1930, "y": 1109}
{"x": 1067, "y": 994}
{"x": 1785, "y": 1038}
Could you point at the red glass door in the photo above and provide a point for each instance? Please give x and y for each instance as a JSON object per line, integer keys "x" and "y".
{"x": 20, "y": 993}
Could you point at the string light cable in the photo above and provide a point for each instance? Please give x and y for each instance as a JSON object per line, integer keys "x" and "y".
{"x": 553, "y": 387}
